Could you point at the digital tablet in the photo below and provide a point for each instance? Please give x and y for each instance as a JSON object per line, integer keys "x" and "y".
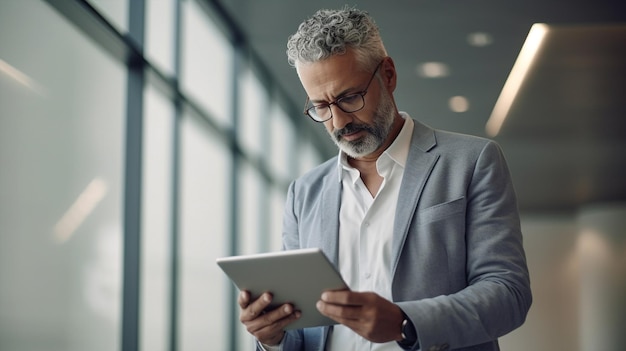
{"x": 296, "y": 276}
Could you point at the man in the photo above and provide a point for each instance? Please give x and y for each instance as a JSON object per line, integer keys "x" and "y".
{"x": 421, "y": 223}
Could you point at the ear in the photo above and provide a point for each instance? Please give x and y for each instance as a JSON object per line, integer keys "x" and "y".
{"x": 388, "y": 74}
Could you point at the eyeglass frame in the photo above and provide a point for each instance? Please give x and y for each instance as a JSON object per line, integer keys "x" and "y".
{"x": 338, "y": 100}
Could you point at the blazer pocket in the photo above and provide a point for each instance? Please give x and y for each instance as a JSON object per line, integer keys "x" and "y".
{"x": 441, "y": 211}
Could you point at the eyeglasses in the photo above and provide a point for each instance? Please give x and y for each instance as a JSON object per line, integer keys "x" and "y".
{"x": 347, "y": 103}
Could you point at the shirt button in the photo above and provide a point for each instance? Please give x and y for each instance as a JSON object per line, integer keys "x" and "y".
{"x": 367, "y": 275}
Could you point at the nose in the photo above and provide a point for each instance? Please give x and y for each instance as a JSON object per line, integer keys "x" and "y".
{"x": 340, "y": 119}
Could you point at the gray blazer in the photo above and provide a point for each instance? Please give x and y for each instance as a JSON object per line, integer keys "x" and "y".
{"x": 459, "y": 268}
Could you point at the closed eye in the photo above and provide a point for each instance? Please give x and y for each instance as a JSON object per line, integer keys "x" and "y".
{"x": 348, "y": 99}
{"x": 320, "y": 107}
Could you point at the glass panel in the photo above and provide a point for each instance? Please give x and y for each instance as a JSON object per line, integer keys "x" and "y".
{"x": 254, "y": 102}
{"x": 281, "y": 141}
{"x": 249, "y": 219}
{"x": 204, "y": 215}
{"x": 156, "y": 222}
{"x": 251, "y": 228}
{"x": 277, "y": 205}
{"x": 308, "y": 157}
{"x": 206, "y": 63}
{"x": 160, "y": 33}
{"x": 61, "y": 155}
{"x": 115, "y": 12}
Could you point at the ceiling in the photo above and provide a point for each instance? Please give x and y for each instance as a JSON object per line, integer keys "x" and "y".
{"x": 565, "y": 132}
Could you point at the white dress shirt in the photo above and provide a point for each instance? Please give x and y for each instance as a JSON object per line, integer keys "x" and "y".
{"x": 366, "y": 234}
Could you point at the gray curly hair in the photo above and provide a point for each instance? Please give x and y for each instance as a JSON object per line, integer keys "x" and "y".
{"x": 332, "y": 32}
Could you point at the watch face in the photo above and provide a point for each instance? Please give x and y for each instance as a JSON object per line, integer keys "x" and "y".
{"x": 408, "y": 333}
{"x": 403, "y": 332}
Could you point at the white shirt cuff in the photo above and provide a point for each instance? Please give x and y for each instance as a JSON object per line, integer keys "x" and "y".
{"x": 264, "y": 347}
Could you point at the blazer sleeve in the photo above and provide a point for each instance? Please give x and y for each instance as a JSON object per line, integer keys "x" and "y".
{"x": 497, "y": 295}
{"x": 290, "y": 238}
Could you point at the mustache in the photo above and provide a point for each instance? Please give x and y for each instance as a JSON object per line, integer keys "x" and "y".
{"x": 351, "y": 128}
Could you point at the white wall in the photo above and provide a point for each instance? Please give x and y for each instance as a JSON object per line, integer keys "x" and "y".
{"x": 577, "y": 265}
{"x": 602, "y": 252}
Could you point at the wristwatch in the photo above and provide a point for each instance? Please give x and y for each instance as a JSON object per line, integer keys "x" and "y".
{"x": 409, "y": 335}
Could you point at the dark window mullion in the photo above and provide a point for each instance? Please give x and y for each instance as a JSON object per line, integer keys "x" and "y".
{"x": 133, "y": 184}
{"x": 175, "y": 215}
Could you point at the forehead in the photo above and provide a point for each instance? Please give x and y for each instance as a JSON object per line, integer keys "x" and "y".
{"x": 326, "y": 79}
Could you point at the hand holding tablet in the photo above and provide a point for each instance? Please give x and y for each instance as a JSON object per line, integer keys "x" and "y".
{"x": 297, "y": 277}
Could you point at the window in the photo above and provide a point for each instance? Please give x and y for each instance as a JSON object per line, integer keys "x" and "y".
{"x": 282, "y": 137}
{"x": 254, "y": 113}
{"x": 61, "y": 166}
{"x": 160, "y": 32}
{"x": 204, "y": 237}
{"x": 206, "y": 63}
{"x": 64, "y": 110}
{"x": 156, "y": 224}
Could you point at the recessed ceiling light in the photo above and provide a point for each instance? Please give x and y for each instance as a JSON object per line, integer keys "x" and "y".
{"x": 479, "y": 39}
{"x": 433, "y": 70}
{"x": 458, "y": 104}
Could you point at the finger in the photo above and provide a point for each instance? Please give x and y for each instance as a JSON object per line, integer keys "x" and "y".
{"x": 339, "y": 313}
{"x": 258, "y": 306}
{"x": 272, "y": 333}
{"x": 273, "y": 321}
{"x": 244, "y": 299}
{"x": 343, "y": 297}
{"x": 255, "y": 308}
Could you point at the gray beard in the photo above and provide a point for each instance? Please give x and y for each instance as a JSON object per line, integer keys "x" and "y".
{"x": 376, "y": 134}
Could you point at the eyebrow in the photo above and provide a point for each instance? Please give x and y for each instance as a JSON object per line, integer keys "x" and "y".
{"x": 343, "y": 93}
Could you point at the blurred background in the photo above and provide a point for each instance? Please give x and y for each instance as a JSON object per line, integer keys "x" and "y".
{"x": 142, "y": 139}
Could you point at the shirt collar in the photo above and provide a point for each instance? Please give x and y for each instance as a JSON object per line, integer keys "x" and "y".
{"x": 397, "y": 152}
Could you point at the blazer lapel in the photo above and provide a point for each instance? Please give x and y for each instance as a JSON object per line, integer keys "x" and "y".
{"x": 419, "y": 165}
{"x": 329, "y": 236}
